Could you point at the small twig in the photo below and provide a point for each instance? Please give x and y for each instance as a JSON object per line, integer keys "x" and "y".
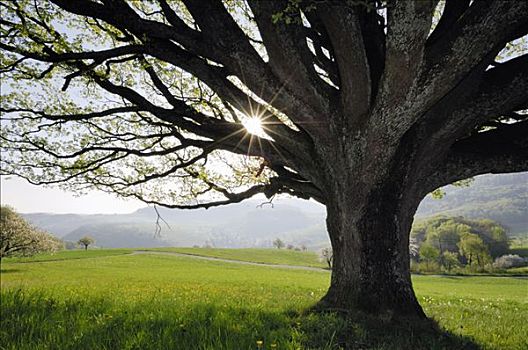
{"x": 157, "y": 233}
{"x": 270, "y": 202}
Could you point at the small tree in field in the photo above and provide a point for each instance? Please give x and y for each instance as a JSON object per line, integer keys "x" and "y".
{"x": 86, "y": 241}
{"x": 328, "y": 256}
{"x": 278, "y": 243}
{"x": 18, "y": 237}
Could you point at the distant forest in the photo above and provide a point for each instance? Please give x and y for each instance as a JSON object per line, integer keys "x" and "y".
{"x": 503, "y": 198}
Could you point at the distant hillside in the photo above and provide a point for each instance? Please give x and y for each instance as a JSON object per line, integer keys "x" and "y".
{"x": 503, "y": 198}
{"x": 118, "y": 235}
{"x": 241, "y": 225}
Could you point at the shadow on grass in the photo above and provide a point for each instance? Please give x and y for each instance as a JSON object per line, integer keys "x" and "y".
{"x": 9, "y": 270}
{"x": 33, "y": 320}
{"x": 362, "y": 331}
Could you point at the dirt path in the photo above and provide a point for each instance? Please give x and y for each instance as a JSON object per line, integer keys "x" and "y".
{"x": 293, "y": 267}
{"x": 210, "y": 258}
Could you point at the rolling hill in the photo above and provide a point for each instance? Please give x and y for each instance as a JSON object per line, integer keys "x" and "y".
{"x": 503, "y": 198}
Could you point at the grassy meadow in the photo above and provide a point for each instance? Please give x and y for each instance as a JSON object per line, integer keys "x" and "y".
{"x": 69, "y": 255}
{"x": 263, "y": 256}
{"x": 108, "y": 299}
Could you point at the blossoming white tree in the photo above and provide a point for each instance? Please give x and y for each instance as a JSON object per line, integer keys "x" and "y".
{"x": 19, "y": 238}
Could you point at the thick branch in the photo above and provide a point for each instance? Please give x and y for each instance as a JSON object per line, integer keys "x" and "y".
{"x": 472, "y": 42}
{"x": 226, "y": 135}
{"x": 407, "y": 29}
{"x": 500, "y": 91}
{"x": 269, "y": 190}
{"x": 320, "y": 58}
{"x": 120, "y": 15}
{"x": 289, "y": 56}
{"x": 500, "y": 150}
{"x": 216, "y": 78}
{"x": 73, "y": 116}
{"x": 53, "y": 57}
{"x": 300, "y": 186}
{"x": 469, "y": 107}
{"x": 244, "y": 62}
{"x": 220, "y": 49}
{"x": 372, "y": 27}
{"x": 343, "y": 28}
{"x": 503, "y": 89}
{"x": 453, "y": 10}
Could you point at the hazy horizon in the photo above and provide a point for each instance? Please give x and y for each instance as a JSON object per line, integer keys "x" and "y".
{"x": 27, "y": 198}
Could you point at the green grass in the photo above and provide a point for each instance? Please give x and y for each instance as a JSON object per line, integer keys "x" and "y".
{"x": 265, "y": 256}
{"x": 520, "y": 250}
{"x": 518, "y": 270}
{"x": 162, "y": 301}
{"x": 68, "y": 255}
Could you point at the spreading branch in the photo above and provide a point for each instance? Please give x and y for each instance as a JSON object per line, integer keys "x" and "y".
{"x": 334, "y": 84}
{"x": 500, "y": 150}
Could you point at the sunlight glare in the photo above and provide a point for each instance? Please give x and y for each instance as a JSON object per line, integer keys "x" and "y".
{"x": 253, "y": 126}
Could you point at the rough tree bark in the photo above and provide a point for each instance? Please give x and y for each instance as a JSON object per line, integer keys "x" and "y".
{"x": 371, "y": 195}
{"x": 369, "y": 231}
{"x": 381, "y": 109}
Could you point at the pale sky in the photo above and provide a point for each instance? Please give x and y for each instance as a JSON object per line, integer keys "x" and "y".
{"x": 27, "y": 198}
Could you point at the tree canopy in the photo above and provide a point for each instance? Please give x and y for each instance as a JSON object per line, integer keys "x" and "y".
{"x": 473, "y": 249}
{"x": 86, "y": 241}
{"x": 445, "y": 233}
{"x": 145, "y": 98}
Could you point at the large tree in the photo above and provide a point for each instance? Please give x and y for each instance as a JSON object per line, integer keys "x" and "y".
{"x": 366, "y": 106}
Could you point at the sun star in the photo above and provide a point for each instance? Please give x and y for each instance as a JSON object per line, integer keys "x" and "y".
{"x": 253, "y": 126}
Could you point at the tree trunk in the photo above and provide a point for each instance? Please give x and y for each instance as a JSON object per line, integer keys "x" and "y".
{"x": 85, "y": 247}
{"x": 370, "y": 242}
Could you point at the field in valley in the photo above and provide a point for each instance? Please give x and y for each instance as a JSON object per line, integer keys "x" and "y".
{"x": 262, "y": 256}
{"x": 111, "y": 299}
